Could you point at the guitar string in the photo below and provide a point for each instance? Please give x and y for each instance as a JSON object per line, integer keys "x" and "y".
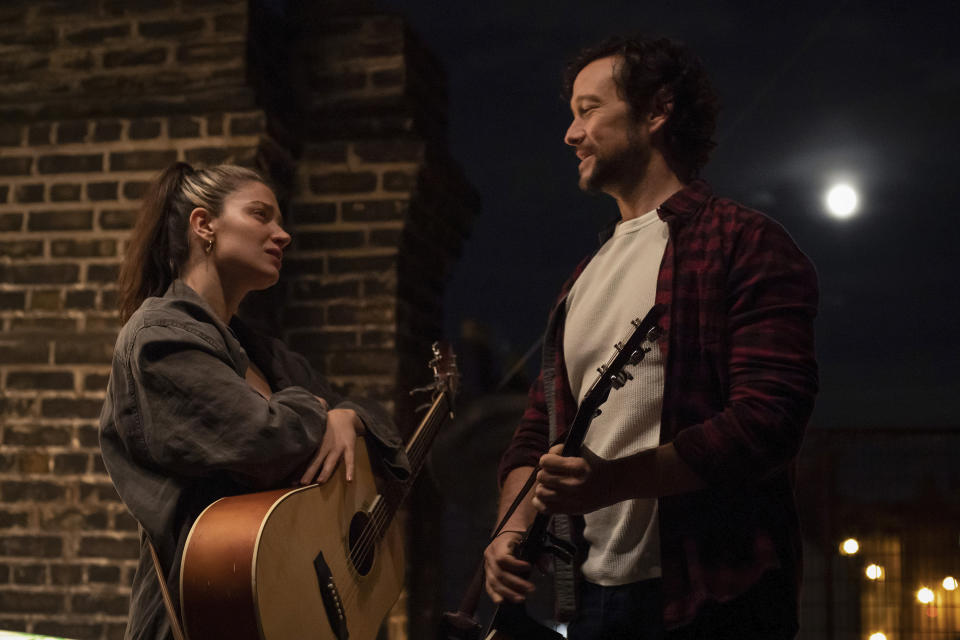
{"x": 371, "y": 532}
{"x": 417, "y": 453}
{"x": 386, "y": 508}
{"x": 364, "y": 543}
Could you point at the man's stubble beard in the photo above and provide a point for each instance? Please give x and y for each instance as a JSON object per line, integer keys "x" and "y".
{"x": 620, "y": 170}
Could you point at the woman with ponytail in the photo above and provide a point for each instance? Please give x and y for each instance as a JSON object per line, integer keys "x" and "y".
{"x": 199, "y": 406}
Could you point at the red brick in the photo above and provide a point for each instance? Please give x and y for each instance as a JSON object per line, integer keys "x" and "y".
{"x": 11, "y": 221}
{"x": 11, "y": 519}
{"x": 40, "y": 380}
{"x": 322, "y": 240}
{"x": 71, "y": 408}
{"x": 102, "y": 603}
{"x": 21, "y": 249}
{"x": 72, "y": 131}
{"x": 12, "y": 300}
{"x": 103, "y": 272}
{"x": 65, "y": 192}
{"x": 65, "y": 220}
{"x": 363, "y": 313}
{"x": 219, "y": 155}
{"x": 141, "y": 129}
{"x": 45, "y": 300}
{"x": 135, "y": 190}
{"x": 10, "y": 135}
{"x": 103, "y": 574}
{"x": 83, "y": 248}
{"x": 77, "y": 630}
{"x": 103, "y": 492}
{"x": 398, "y": 181}
{"x": 183, "y": 127}
{"x": 70, "y": 463}
{"x": 313, "y": 212}
{"x": 31, "y": 491}
{"x": 30, "y": 602}
{"x": 81, "y": 299}
{"x": 97, "y": 35}
{"x": 102, "y": 190}
{"x": 367, "y": 362}
{"x": 67, "y": 163}
{"x": 42, "y": 273}
{"x": 211, "y": 52}
{"x": 107, "y": 130}
{"x": 104, "y": 547}
{"x": 134, "y": 57}
{"x": 33, "y": 462}
{"x": 351, "y": 264}
{"x": 177, "y": 29}
{"x": 343, "y": 182}
{"x": 14, "y": 166}
{"x": 142, "y": 160}
{"x": 385, "y": 237}
{"x": 39, "y": 134}
{"x": 28, "y": 192}
{"x": 28, "y": 574}
{"x": 118, "y": 219}
{"x": 375, "y": 210}
{"x": 247, "y": 125}
{"x": 66, "y": 574}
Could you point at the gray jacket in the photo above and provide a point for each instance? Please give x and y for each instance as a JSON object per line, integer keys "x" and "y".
{"x": 181, "y": 428}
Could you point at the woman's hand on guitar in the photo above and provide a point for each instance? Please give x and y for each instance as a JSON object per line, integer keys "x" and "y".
{"x": 339, "y": 441}
{"x": 503, "y": 572}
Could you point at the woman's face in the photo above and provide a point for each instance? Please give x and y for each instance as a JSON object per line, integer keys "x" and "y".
{"x": 248, "y": 250}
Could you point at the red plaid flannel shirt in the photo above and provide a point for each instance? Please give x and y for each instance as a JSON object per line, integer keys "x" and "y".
{"x": 739, "y": 387}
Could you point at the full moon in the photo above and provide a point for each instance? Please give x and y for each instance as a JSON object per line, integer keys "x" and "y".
{"x": 842, "y": 201}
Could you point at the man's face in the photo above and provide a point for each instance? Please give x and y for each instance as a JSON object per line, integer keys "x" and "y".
{"x": 613, "y": 146}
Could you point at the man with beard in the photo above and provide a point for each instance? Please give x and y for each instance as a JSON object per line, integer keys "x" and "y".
{"x": 682, "y": 499}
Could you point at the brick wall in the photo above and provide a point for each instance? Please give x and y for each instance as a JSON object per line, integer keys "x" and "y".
{"x": 99, "y": 95}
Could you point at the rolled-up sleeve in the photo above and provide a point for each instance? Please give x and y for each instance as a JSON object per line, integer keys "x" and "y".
{"x": 532, "y": 436}
{"x": 771, "y": 371}
{"x": 196, "y": 415}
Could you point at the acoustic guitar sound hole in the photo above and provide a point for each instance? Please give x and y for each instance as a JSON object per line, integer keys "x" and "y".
{"x": 361, "y": 543}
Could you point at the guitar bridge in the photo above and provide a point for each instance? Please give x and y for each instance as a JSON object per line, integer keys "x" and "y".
{"x": 331, "y": 598}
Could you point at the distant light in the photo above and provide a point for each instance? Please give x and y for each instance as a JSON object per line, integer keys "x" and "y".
{"x": 878, "y": 636}
{"x": 875, "y": 572}
{"x": 925, "y": 595}
{"x": 849, "y": 547}
{"x": 950, "y": 583}
{"x": 842, "y": 201}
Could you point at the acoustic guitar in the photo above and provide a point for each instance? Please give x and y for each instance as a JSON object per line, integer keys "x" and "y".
{"x": 324, "y": 561}
{"x": 510, "y": 620}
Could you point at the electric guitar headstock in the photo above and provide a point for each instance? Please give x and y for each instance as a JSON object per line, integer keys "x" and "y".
{"x": 614, "y": 374}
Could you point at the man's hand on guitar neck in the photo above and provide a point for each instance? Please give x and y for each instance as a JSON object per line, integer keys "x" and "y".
{"x": 578, "y": 485}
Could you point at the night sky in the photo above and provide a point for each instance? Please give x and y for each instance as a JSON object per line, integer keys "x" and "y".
{"x": 812, "y": 93}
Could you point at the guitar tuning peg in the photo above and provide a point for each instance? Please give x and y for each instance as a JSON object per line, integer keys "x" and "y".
{"x": 617, "y": 380}
{"x": 655, "y": 333}
{"x": 638, "y": 355}
{"x": 430, "y": 388}
{"x": 423, "y": 407}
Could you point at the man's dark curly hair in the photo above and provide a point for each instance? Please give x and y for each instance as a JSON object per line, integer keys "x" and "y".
{"x": 652, "y": 72}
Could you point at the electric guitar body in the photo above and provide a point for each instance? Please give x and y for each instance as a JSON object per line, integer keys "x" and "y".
{"x": 510, "y": 621}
